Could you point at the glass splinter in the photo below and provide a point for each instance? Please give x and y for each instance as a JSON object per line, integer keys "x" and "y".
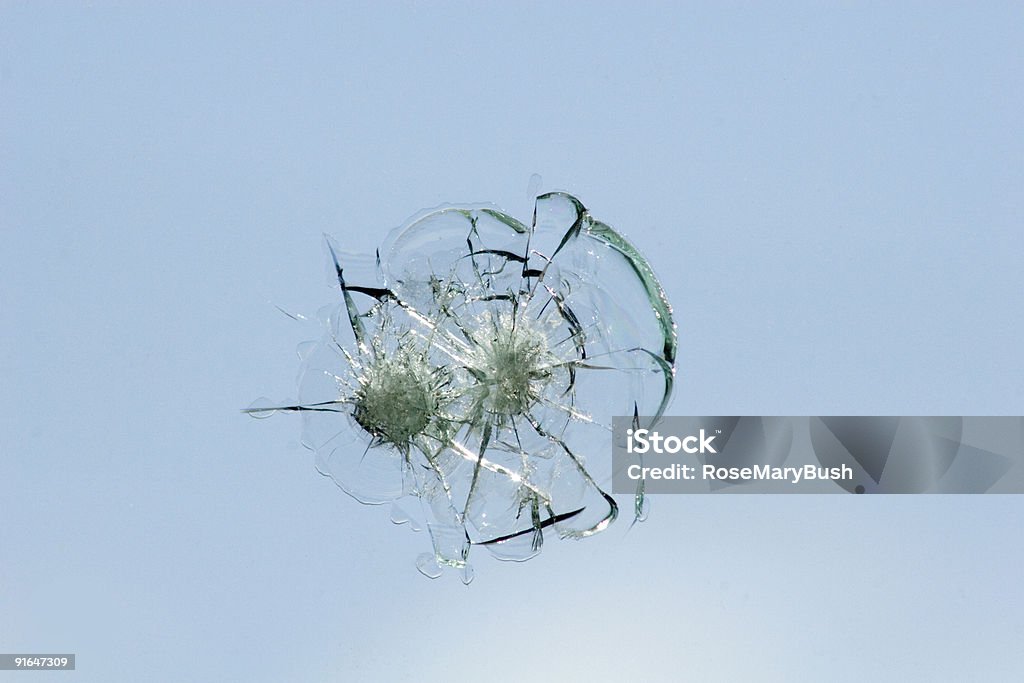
{"x": 477, "y": 366}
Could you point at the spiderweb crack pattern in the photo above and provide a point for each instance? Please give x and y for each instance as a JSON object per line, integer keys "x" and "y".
{"x": 476, "y": 367}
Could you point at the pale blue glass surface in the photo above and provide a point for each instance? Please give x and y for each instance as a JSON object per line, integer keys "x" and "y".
{"x": 832, "y": 195}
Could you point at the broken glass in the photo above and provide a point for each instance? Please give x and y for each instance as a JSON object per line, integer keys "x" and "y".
{"x": 475, "y": 365}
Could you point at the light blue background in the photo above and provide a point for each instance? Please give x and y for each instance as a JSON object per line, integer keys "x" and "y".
{"x": 831, "y": 193}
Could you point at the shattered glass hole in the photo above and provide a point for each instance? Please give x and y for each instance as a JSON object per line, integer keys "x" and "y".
{"x": 476, "y": 365}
